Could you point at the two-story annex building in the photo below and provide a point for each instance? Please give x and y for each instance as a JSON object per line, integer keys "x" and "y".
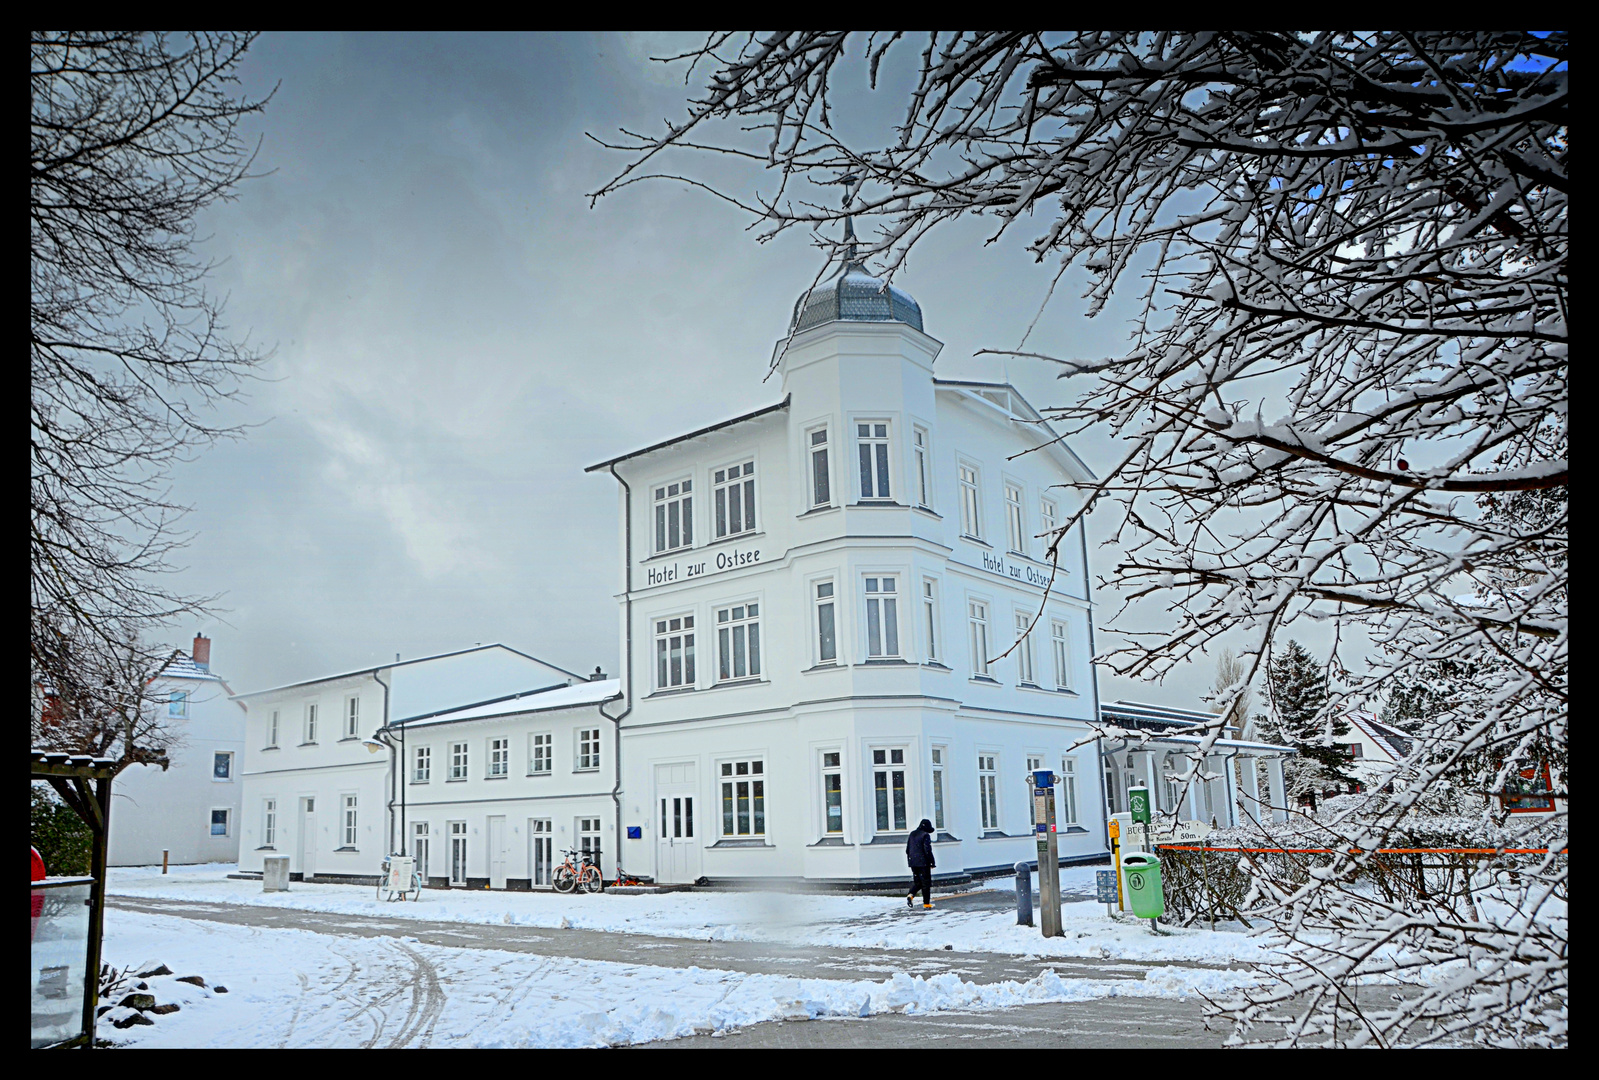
{"x": 815, "y": 597}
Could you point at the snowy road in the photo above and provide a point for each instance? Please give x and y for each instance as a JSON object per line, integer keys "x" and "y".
{"x": 307, "y": 978}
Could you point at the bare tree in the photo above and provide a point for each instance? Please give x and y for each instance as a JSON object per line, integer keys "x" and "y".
{"x": 1350, "y": 253}
{"x": 1230, "y": 672}
{"x": 133, "y": 134}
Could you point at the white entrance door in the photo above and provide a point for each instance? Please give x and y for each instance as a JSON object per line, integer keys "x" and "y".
{"x": 496, "y": 852}
{"x": 308, "y": 837}
{"x": 677, "y": 846}
{"x": 419, "y": 847}
{"x": 541, "y": 850}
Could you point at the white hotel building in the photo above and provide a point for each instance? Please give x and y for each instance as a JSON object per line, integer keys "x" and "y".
{"x": 814, "y": 598}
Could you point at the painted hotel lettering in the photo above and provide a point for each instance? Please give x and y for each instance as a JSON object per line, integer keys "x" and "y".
{"x": 994, "y": 564}
{"x": 725, "y": 560}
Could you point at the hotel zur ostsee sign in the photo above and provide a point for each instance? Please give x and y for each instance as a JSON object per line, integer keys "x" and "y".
{"x": 678, "y": 570}
{"x": 1026, "y": 572}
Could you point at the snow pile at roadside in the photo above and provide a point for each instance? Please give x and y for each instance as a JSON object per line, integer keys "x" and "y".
{"x": 821, "y": 920}
{"x": 291, "y": 988}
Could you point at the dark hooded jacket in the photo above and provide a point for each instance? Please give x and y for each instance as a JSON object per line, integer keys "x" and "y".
{"x": 919, "y": 848}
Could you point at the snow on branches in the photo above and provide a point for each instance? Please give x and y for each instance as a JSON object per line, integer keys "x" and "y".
{"x": 1344, "y": 398}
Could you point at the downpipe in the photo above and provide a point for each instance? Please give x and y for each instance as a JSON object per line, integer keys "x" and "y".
{"x": 627, "y": 606}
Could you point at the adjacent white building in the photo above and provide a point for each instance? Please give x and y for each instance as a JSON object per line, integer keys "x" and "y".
{"x": 191, "y": 809}
{"x": 320, "y": 786}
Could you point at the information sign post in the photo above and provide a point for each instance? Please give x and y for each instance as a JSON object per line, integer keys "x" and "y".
{"x": 1048, "y": 852}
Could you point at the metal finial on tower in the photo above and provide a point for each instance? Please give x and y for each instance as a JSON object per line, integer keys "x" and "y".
{"x": 849, "y": 180}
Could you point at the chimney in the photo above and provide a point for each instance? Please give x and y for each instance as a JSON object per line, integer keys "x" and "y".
{"x": 202, "y": 651}
{"x": 598, "y": 676}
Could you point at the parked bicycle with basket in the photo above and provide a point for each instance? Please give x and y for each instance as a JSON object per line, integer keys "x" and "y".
{"x": 583, "y": 873}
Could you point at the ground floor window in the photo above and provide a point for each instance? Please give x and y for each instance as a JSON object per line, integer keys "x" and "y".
{"x": 543, "y": 854}
{"x": 1066, "y": 803}
{"x": 349, "y": 818}
{"x": 457, "y": 853}
{"x": 1110, "y": 786}
{"x": 219, "y": 823}
{"x": 833, "y": 792}
{"x": 269, "y": 823}
{"x": 419, "y": 847}
{"x": 743, "y": 798}
{"x": 938, "y": 787}
{"x": 588, "y": 836}
{"x": 888, "y": 782}
{"x": 988, "y": 791}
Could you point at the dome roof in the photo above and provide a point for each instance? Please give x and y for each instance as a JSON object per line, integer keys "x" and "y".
{"x": 855, "y": 296}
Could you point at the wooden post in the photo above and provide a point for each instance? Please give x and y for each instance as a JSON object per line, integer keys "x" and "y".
{"x": 163, "y": 860}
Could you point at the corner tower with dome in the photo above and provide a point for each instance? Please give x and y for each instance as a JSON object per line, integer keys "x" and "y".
{"x": 814, "y": 600}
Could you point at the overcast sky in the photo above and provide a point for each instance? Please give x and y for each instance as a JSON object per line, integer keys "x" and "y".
{"x": 455, "y": 335}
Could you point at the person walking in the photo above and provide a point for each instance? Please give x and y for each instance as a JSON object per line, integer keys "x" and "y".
{"x": 919, "y": 854}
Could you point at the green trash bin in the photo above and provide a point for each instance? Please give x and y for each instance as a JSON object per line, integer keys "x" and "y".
{"x": 1142, "y": 874}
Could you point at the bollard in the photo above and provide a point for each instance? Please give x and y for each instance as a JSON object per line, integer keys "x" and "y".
{"x": 163, "y": 860}
{"x": 275, "y": 873}
{"x": 1024, "y": 894}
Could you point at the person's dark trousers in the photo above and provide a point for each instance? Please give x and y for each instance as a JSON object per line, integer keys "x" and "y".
{"x": 922, "y": 878}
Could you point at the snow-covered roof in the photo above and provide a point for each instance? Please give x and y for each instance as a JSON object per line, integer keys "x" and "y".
{"x": 408, "y": 663}
{"x": 182, "y": 666}
{"x": 575, "y": 696}
{"x": 1006, "y": 397}
{"x": 1138, "y": 714}
{"x": 1396, "y": 744}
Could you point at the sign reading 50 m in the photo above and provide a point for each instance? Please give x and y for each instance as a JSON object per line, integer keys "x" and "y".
{"x": 730, "y": 559}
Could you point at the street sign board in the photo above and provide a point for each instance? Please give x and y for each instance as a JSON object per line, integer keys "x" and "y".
{"x": 1105, "y": 883}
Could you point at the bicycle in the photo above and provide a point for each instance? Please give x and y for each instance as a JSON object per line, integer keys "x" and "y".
{"x": 400, "y": 879}
{"x": 585, "y": 875}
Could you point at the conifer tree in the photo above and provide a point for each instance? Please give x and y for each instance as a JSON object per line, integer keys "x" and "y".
{"x": 1298, "y": 695}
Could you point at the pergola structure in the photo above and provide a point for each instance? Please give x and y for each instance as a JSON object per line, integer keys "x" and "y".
{"x": 1161, "y": 748}
{"x": 69, "y": 912}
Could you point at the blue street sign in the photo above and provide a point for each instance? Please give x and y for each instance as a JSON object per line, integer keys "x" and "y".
{"x": 1105, "y": 883}
{"x": 635, "y": 832}
{"x": 1043, "y": 778}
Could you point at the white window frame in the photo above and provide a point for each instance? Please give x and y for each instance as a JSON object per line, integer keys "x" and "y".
{"x": 1110, "y": 786}
{"x": 988, "y": 789}
{"x": 269, "y": 823}
{"x": 1026, "y": 669}
{"x": 586, "y": 750}
{"x": 1015, "y": 518}
{"x": 229, "y": 754}
{"x": 349, "y": 818}
{"x": 824, "y": 607}
{"x": 227, "y": 821}
{"x": 938, "y": 773}
{"x": 978, "y": 636}
{"x": 971, "y": 506}
{"x": 457, "y": 833}
{"x": 460, "y": 761}
{"x": 1048, "y": 521}
{"x": 756, "y": 812}
{"x": 886, "y": 764}
{"x": 931, "y": 630}
{"x": 178, "y": 703}
{"x": 588, "y": 830}
{"x": 922, "y": 454}
{"x": 310, "y": 723}
{"x": 499, "y": 756}
{"x": 666, "y": 495}
{"x": 541, "y": 753}
{"x": 738, "y": 625}
{"x": 1066, "y": 804}
{"x": 421, "y": 841}
{"x": 422, "y": 765}
{"x": 733, "y": 484}
{"x": 1061, "y": 648}
{"x": 881, "y": 594}
{"x": 685, "y": 633}
{"x": 832, "y": 789}
{"x": 876, "y": 484}
{"x": 819, "y": 475}
{"x": 542, "y": 834}
{"x": 272, "y": 731}
{"x": 352, "y": 717}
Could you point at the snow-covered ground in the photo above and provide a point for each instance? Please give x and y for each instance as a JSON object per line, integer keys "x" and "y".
{"x": 290, "y": 988}
{"x": 823, "y": 920}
